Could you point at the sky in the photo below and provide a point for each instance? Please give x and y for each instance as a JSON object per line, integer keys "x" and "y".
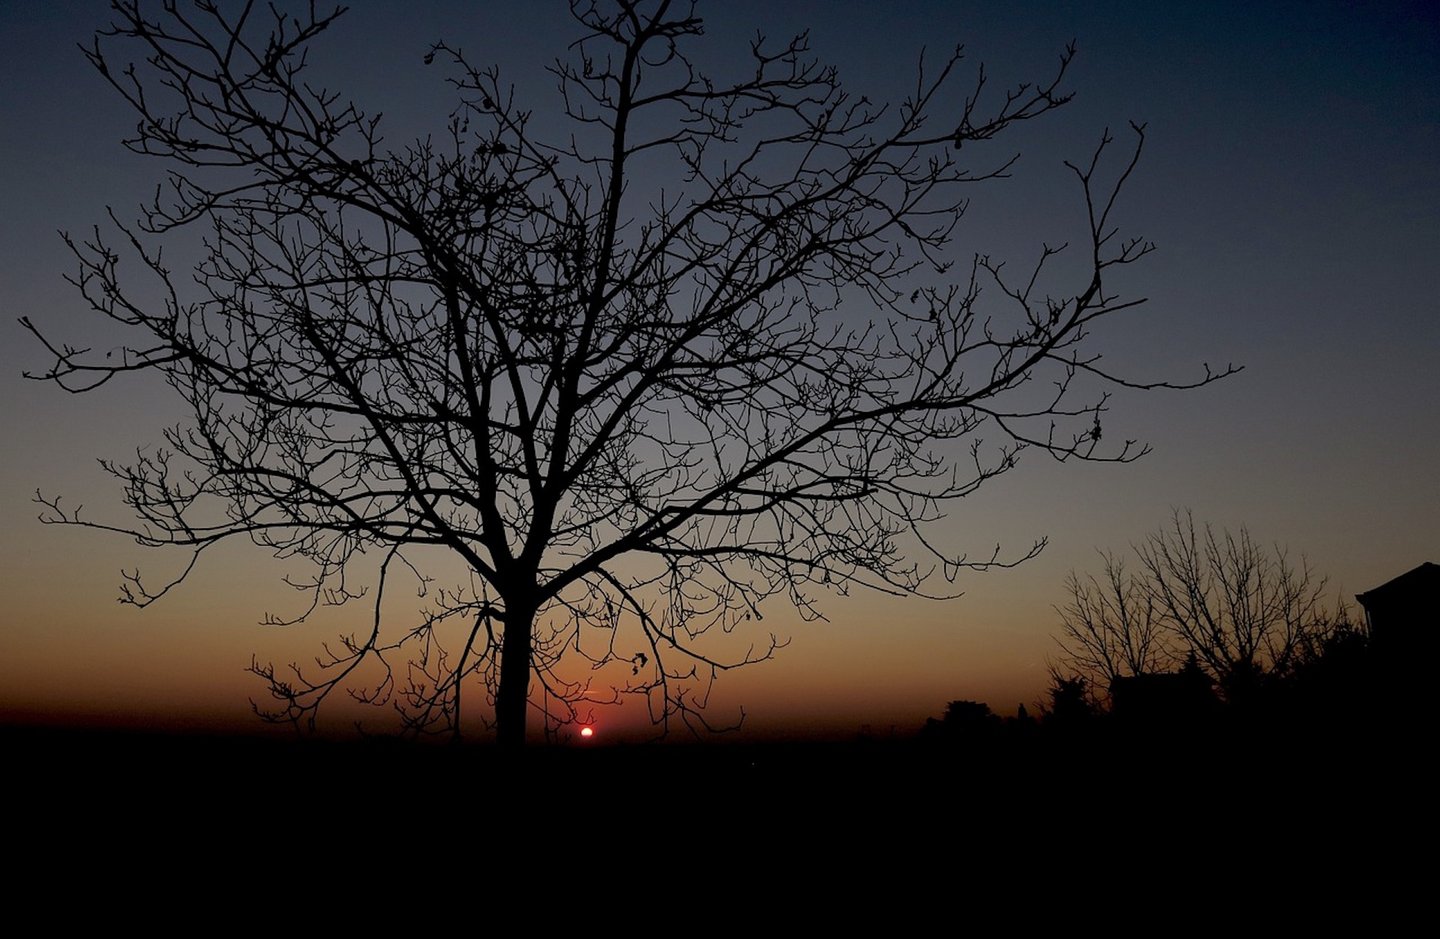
{"x": 1291, "y": 183}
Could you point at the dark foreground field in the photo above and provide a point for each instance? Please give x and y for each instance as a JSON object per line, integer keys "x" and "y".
{"x": 173, "y": 834}
{"x": 1322, "y": 809}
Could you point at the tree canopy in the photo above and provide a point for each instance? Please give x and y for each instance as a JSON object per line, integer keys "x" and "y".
{"x": 712, "y": 347}
{"x": 1215, "y": 601}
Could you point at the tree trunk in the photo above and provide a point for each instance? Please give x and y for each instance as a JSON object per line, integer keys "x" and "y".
{"x": 512, "y": 699}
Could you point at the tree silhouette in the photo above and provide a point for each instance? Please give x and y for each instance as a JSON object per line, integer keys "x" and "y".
{"x": 1112, "y": 627}
{"x": 1217, "y": 601}
{"x": 1241, "y": 610}
{"x": 705, "y": 349}
{"x": 1070, "y": 701}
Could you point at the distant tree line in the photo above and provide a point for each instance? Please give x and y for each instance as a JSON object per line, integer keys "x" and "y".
{"x": 1203, "y": 627}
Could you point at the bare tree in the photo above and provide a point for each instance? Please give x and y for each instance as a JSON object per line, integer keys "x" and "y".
{"x": 1112, "y": 626}
{"x": 616, "y": 374}
{"x": 1221, "y": 601}
{"x": 1241, "y": 609}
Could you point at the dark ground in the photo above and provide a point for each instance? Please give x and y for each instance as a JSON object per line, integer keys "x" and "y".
{"x": 1335, "y": 808}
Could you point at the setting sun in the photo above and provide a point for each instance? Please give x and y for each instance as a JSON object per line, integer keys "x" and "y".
{"x": 587, "y": 732}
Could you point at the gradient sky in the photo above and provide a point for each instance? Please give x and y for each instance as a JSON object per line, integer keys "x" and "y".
{"x": 1291, "y": 181}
